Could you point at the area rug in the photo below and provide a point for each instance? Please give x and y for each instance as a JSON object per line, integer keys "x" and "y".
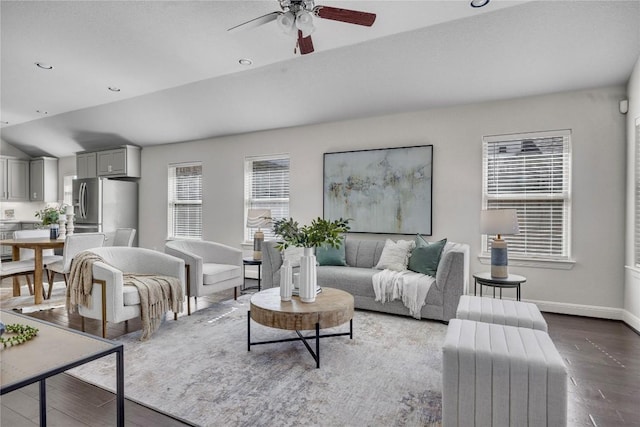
{"x": 25, "y": 303}
{"x": 198, "y": 369}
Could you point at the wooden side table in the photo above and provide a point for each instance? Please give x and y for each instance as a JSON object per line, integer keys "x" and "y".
{"x": 485, "y": 279}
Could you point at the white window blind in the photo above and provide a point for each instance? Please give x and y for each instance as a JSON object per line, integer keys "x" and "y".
{"x": 637, "y": 201}
{"x": 266, "y": 186}
{"x": 185, "y": 201}
{"x": 532, "y": 174}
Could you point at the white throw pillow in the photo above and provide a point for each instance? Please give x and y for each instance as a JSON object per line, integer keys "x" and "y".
{"x": 395, "y": 255}
{"x": 293, "y": 254}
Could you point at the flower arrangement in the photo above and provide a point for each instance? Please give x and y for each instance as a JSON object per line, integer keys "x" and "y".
{"x": 51, "y": 214}
{"x": 319, "y": 232}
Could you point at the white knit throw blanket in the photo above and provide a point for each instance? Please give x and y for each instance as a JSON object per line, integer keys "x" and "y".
{"x": 411, "y": 287}
{"x": 158, "y": 294}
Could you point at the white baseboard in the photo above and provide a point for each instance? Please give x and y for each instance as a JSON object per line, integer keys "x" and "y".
{"x": 631, "y": 320}
{"x": 580, "y": 309}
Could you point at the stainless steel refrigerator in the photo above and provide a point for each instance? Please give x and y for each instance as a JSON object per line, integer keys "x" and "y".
{"x": 103, "y": 205}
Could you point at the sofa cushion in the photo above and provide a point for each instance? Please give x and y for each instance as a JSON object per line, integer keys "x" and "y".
{"x": 426, "y": 256}
{"x": 395, "y": 255}
{"x": 363, "y": 253}
{"x": 215, "y": 273}
{"x": 130, "y": 296}
{"x": 355, "y": 280}
{"x": 328, "y": 255}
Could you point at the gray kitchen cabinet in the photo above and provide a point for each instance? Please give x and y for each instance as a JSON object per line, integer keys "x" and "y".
{"x": 86, "y": 165}
{"x": 6, "y": 232}
{"x": 14, "y": 179}
{"x": 119, "y": 162}
{"x": 43, "y": 179}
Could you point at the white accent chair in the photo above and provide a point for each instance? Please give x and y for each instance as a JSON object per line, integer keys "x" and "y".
{"x": 28, "y": 255}
{"x": 124, "y": 237}
{"x": 111, "y": 301}
{"x": 72, "y": 245}
{"x": 211, "y": 267}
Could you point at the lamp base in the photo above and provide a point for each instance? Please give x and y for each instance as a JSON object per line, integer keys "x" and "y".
{"x": 499, "y": 259}
{"x": 258, "y": 238}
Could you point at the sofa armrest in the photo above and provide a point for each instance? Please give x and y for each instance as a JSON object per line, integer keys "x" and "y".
{"x": 194, "y": 262}
{"x": 271, "y": 263}
{"x": 450, "y": 280}
{"x": 113, "y": 279}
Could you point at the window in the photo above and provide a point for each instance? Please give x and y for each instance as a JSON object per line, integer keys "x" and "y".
{"x": 637, "y": 202}
{"x": 532, "y": 174}
{"x": 185, "y": 201}
{"x": 266, "y": 186}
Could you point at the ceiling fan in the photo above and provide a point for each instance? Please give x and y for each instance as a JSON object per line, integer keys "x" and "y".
{"x": 296, "y": 18}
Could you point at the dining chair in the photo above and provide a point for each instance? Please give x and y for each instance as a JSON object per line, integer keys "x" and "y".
{"x": 48, "y": 255}
{"x": 18, "y": 268}
{"x": 124, "y": 237}
{"x": 72, "y": 245}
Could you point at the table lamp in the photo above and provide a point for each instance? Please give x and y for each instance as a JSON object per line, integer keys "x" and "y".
{"x": 498, "y": 222}
{"x": 258, "y": 218}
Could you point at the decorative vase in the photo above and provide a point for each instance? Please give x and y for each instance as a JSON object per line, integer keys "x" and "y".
{"x": 70, "y": 225}
{"x": 308, "y": 276}
{"x": 286, "y": 281}
{"x": 53, "y": 231}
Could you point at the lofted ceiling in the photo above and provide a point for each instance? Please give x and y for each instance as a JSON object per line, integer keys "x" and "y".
{"x": 180, "y": 79}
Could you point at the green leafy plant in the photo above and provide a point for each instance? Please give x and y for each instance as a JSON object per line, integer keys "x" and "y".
{"x": 51, "y": 214}
{"x": 319, "y": 232}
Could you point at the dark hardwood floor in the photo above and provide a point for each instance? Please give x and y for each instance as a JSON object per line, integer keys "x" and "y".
{"x": 601, "y": 357}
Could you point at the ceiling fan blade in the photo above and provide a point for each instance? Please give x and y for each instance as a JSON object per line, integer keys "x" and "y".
{"x": 345, "y": 15}
{"x": 256, "y": 22}
{"x": 305, "y": 44}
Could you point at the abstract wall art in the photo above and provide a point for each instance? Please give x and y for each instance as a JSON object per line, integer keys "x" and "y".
{"x": 381, "y": 190}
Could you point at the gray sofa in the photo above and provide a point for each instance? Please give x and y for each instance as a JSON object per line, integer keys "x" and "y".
{"x": 356, "y": 278}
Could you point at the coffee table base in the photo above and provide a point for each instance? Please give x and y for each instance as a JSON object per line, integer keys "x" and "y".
{"x": 315, "y": 354}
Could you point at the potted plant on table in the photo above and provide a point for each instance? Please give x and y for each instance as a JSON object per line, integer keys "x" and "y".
{"x": 319, "y": 232}
{"x": 50, "y": 217}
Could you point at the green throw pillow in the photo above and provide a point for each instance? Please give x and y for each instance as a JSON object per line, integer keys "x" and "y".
{"x": 327, "y": 255}
{"x": 426, "y": 256}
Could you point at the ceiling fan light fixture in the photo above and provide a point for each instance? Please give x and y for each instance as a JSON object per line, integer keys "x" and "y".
{"x": 286, "y": 22}
{"x": 479, "y": 3}
{"x": 304, "y": 22}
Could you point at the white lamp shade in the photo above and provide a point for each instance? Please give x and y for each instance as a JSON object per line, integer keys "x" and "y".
{"x": 499, "y": 221}
{"x": 286, "y": 22}
{"x": 304, "y": 22}
{"x": 259, "y": 218}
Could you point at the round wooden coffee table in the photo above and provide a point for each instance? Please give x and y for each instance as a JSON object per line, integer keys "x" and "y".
{"x": 332, "y": 307}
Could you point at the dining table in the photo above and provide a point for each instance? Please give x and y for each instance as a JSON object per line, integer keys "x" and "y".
{"x": 37, "y": 245}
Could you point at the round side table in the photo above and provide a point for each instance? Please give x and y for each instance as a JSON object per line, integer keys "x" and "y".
{"x": 511, "y": 281}
{"x": 251, "y": 261}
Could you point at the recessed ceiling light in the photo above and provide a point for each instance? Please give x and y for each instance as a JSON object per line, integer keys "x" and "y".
{"x": 479, "y": 3}
{"x": 245, "y": 61}
{"x": 44, "y": 66}
{"x": 42, "y": 112}
{"x": 114, "y": 89}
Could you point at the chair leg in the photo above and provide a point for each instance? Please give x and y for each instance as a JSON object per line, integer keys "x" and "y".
{"x": 235, "y": 293}
{"x": 82, "y": 323}
{"x": 29, "y": 285}
{"x": 50, "y": 275}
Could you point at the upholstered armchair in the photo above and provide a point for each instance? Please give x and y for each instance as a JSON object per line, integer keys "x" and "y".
{"x": 111, "y": 301}
{"x": 212, "y": 267}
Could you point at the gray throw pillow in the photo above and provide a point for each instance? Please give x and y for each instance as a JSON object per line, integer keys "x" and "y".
{"x": 426, "y": 256}
{"x": 328, "y": 255}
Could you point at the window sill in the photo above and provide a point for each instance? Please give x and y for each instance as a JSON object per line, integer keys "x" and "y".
{"x": 532, "y": 262}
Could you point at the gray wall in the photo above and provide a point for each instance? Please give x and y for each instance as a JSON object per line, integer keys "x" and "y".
{"x": 631, "y": 313}
{"x": 595, "y": 284}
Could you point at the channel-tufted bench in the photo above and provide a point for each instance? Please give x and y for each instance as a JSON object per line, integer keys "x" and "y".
{"x": 500, "y": 311}
{"x": 497, "y": 375}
